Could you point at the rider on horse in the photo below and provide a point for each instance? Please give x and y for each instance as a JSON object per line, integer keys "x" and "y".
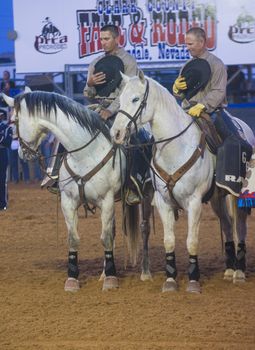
{"x": 202, "y": 87}
{"x": 104, "y": 85}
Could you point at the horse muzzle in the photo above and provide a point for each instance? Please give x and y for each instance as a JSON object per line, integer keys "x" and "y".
{"x": 120, "y": 137}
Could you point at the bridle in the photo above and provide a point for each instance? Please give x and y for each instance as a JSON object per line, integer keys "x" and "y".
{"x": 133, "y": 119}
{"x": 32, "y": 154}
{"x": 28, "y": 152}
{"x": 138, "y": 113}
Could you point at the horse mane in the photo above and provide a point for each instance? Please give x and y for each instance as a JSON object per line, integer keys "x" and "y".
{"x": 46, "y": 102}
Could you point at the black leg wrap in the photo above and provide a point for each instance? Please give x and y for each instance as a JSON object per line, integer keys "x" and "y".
{"x": 73, "y": 270}
{"x": 240, "y": 257}
{"x": 194, "y": 273}
{"x": 171, "y": 270}
{"x": 230, "y": 254}
{"x": 109, "y": 264}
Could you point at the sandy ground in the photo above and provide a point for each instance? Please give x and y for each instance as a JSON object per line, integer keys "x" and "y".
{"x": 36, "y": 313}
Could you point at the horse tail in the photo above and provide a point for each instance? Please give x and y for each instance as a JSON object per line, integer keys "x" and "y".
{"x": 132, "y": 231}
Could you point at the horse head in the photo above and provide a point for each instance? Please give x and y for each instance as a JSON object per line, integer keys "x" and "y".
{"x": 133, "y": 104}
{"x": 28, "y": 129}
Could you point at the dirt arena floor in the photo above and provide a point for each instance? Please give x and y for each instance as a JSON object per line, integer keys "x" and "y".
{"x": 36, "y": 313}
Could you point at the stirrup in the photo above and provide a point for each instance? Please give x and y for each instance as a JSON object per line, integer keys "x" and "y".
{"x": 49, "y": 180}
{"x": 132, "y": 198}
{"x": 137, "y": 185}
{"x": 54, "y": 189}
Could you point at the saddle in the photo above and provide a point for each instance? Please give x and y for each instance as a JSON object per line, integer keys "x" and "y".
{"x": 213, "y": 140}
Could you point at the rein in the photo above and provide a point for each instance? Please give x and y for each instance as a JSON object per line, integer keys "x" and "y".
{"x": 133, "y": 119}
{"x": 170, "y": 180}
{"x": 31, "y": 154}
{"x": 28, "y": 150}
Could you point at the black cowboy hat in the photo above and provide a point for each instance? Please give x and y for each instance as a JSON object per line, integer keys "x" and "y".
{"x": 197, "y": 74}
{"x": 111, "y": 66}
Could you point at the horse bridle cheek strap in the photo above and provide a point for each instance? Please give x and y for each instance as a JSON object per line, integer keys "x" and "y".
{"x": 138, "y": 113}
{"x": 81, "y": 180}
{"x": 26, "y": 149}
{"x": 171, "y": 180}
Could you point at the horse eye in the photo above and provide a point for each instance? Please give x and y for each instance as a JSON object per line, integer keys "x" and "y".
{"x": 135, "y": 99}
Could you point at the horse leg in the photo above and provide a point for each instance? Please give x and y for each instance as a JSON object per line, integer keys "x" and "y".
{"x": 166, "y": 213}
{"x": 145, "y": 231}
{"x": 107, "y": 238}
{"x": 219, "y": 206}
{"x": 239, "y": 274}
{"x": 102, "y": 276}
{"x": 194, "y": 216}
{"x": 69, "y": 209}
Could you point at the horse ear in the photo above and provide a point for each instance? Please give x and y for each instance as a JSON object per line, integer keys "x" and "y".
{"x": 124, "y": 77}
{"x": 9, "y": 100}
{"x": 27, "y": 89}
{"x": 141, "y": 76}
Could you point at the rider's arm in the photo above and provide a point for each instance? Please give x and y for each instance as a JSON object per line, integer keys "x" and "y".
{"x": 214, "y": 95}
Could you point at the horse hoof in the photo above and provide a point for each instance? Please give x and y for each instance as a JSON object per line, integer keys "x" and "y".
{"x": 239, "y": 276}
{"x": 110, "y": 282}
{"x": 170, "y": 286}
{"x": 194, "y": 287}
{"x": 146, "y": 276}
{"x": 72, "y": 285}
{"x": 228, "y": 275}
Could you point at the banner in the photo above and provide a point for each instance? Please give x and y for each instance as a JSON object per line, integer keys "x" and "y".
{"x": 64, "y": 32}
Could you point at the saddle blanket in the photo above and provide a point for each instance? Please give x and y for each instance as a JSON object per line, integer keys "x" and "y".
{"x": 231, "y": 165}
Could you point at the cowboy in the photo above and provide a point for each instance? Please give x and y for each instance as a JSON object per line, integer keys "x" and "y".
{"x": 206, "y": 92}
{"x": 104, "y": 85}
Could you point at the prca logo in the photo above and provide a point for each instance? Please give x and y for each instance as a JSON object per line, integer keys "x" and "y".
{"x": 50, "y": 40}
{"x": 243, "y": 31}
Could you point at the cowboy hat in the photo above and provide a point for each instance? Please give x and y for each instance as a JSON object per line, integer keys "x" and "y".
{"x": 197, "y": 73}
{"x": 111, "y": 66}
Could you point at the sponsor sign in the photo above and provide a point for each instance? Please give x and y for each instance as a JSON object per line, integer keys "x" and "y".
{"x": 61, "y": 32}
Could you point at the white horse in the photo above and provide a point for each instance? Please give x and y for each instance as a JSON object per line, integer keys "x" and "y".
{"x": 91, "y": 173}
{"x": 183, "y": 173}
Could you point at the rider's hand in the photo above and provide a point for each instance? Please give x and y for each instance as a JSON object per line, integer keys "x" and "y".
{"x": 105, "y": 114}
{"x": 96, "y": 79}
{"x": 196, "y": 110}
{"x": 179, "y": 85}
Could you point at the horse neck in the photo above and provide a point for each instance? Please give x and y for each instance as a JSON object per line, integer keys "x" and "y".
{"x": 168, "y": 121}
{"x": 72, "y": 136}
